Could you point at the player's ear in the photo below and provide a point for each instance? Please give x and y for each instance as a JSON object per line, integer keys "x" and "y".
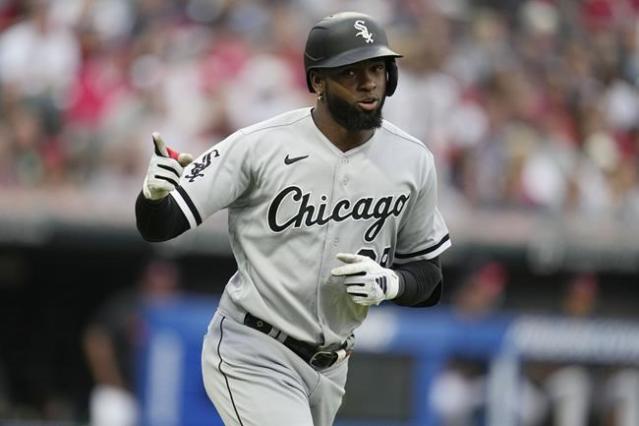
{"x": 317, "y": 81}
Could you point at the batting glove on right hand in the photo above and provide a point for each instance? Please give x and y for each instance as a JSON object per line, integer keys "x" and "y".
{"x": 367, "y": 282}
{"x": 165, "y": 168}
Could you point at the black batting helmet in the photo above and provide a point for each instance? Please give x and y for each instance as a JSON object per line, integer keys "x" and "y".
{"x": 346, "y": 38}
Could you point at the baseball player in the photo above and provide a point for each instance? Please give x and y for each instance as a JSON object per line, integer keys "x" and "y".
{"x": 332, "y": 210}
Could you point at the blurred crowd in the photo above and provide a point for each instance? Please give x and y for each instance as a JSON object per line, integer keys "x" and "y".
{"x": 550, "y": 391}
{"x": 526, "y": 103}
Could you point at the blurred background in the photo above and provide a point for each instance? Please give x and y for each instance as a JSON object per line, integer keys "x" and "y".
{"x": 531, "y": 108}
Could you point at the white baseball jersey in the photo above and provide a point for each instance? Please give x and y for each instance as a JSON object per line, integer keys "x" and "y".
{"x": 295, "y": 201}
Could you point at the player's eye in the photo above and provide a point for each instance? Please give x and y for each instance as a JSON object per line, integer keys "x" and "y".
{"x": 379, "y": 67}
{"x": 348, "y": 73}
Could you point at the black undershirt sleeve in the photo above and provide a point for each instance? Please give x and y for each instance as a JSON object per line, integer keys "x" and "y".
{"x": 420, "y": 283}
{"x": 159, "y": 220}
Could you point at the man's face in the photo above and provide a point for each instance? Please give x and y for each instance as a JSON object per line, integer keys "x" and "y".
{"x": 355, "y": 94}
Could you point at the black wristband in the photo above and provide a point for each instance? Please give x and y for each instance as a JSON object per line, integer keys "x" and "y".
{"x": 159, "y": 220}
{"x": 420, "y": 283}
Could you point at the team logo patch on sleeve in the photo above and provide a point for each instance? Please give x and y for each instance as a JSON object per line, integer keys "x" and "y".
{"x": 198, "y": 168}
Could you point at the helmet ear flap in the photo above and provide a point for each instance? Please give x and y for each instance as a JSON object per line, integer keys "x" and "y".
{"x": 391, "y": 77}
{"x": 308, "y": 81}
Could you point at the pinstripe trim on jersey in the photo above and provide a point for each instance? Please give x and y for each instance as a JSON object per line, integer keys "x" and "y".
{"x": 185, "y": 209}
{"x": 187, "y": 206}
{"x": 189, "y": 202}
{"x": 429, "y": 250}
{"x": 226, "y": 379}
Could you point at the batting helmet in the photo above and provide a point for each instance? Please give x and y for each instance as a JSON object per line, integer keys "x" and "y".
{"x": 346, "y": 38}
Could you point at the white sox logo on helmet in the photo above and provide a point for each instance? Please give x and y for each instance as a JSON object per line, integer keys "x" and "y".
{"x": 363, "y": 31}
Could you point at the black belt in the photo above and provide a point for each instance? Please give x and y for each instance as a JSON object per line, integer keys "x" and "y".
{"x": 316, "y": 357}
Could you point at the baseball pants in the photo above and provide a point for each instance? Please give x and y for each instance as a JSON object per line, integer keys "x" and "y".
{"x": 254, "y": 380}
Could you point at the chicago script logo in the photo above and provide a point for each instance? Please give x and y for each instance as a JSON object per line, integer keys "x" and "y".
{"x": 308, "y": 214}
{"x": 363, "y": 31}
{"x": 197, "y": 169}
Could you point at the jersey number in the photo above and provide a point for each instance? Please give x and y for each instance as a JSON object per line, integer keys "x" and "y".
{"x": 370, "y": 252}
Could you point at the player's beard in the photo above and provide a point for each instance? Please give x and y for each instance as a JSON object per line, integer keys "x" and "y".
{"x": 352, "y": 118}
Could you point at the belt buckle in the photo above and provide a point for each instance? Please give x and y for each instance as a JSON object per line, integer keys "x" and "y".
{"x": 323, "y": 359}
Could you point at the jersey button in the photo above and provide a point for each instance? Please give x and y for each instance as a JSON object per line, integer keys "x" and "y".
{"x": 336, "y": 241}
{"x": 345, "y": 181}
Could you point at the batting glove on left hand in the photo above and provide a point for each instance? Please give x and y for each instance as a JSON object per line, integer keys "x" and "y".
{"x": 165, "y": 168}
{"x": 367, "y": 282}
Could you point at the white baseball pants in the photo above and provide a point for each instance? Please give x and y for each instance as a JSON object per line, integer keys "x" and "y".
{"x": 254, "y": 380}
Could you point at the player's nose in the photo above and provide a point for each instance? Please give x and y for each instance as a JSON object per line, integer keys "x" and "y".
{"x": 367, "y": 81}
